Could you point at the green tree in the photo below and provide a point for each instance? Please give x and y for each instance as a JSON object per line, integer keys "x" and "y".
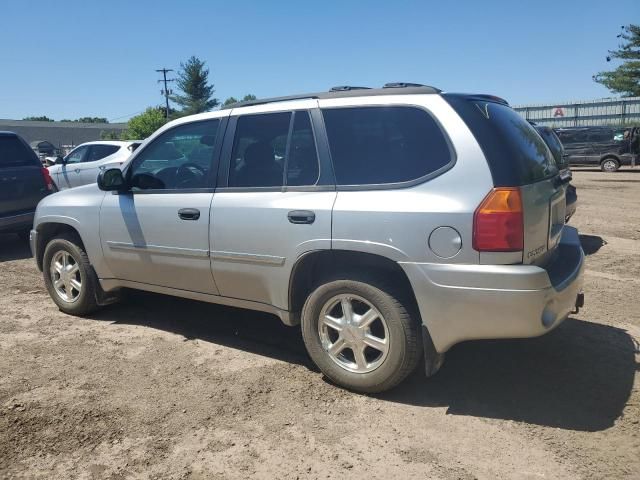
{"x": 229, "y": 101}
{"x": 92, "y": 120}
{"x": 247, "y": 98}
{"x": 193, "y": 82}
{"x": 87, "y": 120}
{"x": 143, "y": 125}
{"x": 625, "y": 79}
{"x": 42, "y": 118}
{"x": 109, "y": 135}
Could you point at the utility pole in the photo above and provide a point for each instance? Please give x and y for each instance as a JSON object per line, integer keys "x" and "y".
{"x": 166, "y": 91}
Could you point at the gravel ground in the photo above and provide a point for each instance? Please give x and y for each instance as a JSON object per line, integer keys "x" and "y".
{"x": 165, "y": 388}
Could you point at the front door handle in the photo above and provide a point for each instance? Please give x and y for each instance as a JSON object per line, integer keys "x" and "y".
{"x": 301, "y": 216}
{"x": 189, "y": 213}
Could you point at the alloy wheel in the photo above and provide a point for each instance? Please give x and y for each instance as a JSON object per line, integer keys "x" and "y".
{"x": 353, "y": 333}
{"x": 65, "y": 276}
{"x": 609, "y": 166}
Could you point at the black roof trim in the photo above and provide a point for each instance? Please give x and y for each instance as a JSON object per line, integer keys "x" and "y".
{"x": 352, "y": 92}
{"x": 403, "y": 85}
{"x": 345, "y": 88}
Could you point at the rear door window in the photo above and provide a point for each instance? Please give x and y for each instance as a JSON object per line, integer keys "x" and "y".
{"x": 384, "y": 145}
{"x": 259, "y": 149}
{"x": 302, "y": 164}
{"x": 98, "y": 152}
{"x": 14, "y": 153}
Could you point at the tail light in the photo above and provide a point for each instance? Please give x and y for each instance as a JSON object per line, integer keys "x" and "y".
{"x": 47, "y": 179}
{"x": 498, "y": 222}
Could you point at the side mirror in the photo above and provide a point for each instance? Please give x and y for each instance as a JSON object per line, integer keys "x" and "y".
{"x": 111, "y": 180}
{"x": 59, "y": 160}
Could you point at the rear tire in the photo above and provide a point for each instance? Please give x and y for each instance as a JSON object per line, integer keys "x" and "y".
{"x": 609, "y": 165}
{"x": 370, "y": 348}
{"x": 69, "y": 277}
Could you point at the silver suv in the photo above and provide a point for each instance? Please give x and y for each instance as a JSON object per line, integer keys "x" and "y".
{"x": 391, "y": 223}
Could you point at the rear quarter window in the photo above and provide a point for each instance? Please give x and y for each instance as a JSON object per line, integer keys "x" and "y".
{"x": 384, "y": 145}
{"x": 15, "y": 153}
{"x": 516, "y": 154}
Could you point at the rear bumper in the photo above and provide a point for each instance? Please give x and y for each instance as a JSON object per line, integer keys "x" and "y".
{"x": 465, "y": 302}
{"x": 16, "y": 223}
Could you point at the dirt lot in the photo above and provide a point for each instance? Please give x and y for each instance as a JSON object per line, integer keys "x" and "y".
{"x": 158, "y": 387}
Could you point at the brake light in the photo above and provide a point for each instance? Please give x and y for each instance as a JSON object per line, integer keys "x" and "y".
{"x": 498, "y": 222}
{"x": 47, "y": 179}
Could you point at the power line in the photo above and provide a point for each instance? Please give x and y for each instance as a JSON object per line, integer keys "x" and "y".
{"x": 125, "y": 116}
{"x": 166, "y": 91}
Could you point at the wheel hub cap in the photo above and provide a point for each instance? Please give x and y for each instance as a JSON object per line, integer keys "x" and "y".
{"x": 353, "y": 333}
{"x": 65, "y": 276}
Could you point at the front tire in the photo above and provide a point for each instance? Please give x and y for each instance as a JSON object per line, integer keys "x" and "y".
{"x": 610, "y": 165}
{"x": 361, "y": 335}
{"x": 69, "y": 277}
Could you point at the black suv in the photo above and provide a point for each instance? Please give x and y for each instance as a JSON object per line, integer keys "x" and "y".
{"x": 23, "y": 183}
{"x": 562, "y": 161}
{"x": 594, "y": 146}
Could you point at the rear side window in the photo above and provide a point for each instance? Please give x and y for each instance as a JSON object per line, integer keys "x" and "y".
{"x": 14, "y": 153}
{"x": 382, "y": 145}
{"x": 516, "y": 154}
{"x": 601, "y": 136}
{"x": 98, "y": 152}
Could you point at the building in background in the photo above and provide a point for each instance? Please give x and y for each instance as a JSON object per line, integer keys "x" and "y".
{"x": 63, "y": 135}
{"x": 605, "y": 111}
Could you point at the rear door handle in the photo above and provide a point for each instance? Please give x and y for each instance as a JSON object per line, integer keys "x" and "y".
{"x": 77, "y": 170}
{"x": 301, "y": 216}
{"x": 189, "y": 213}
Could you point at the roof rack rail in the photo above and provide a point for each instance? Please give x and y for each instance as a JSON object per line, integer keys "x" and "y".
{"x": 347, "y": 88}
{"x": 403, "y": 85}
{"x": 342, "y": 92}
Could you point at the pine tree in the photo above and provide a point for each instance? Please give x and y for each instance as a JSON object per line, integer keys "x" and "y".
{"x": 193, "y": 81}
{"x": 625, "y": 79}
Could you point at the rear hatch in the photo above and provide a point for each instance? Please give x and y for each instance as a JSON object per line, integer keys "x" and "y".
{"x": 518, "y": 157}
{"x": 22, "y": 184}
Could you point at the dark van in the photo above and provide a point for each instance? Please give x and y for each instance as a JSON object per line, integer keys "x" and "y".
{"x": 23, "y": 183}
{"x": 592, "y": 146}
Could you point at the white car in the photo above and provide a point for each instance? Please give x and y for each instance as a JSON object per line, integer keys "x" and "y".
{"x": 82, "y": 165}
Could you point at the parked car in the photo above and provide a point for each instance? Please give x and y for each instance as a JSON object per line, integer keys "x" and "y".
{"x": 23, "y": 183}
{"x": 82, "y": 165}
{"x": 562, "y": 161}
{"x": 391, "y": 223}
{"x": 594, "y": 146}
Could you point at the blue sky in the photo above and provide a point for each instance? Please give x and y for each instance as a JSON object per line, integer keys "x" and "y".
{"x": 67, "y": 59}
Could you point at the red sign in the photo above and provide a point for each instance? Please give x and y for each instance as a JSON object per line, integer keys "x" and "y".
{"x": 559, "y": 112}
